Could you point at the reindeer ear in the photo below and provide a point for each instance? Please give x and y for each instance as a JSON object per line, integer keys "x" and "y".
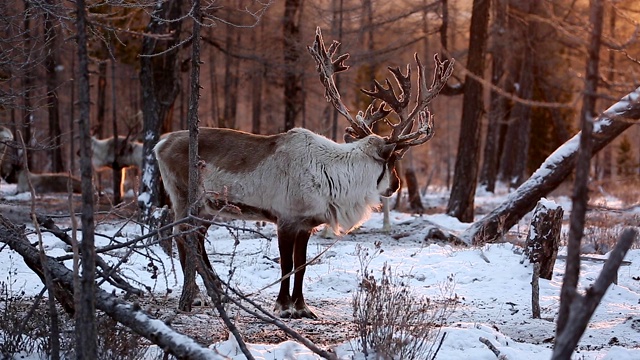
{"x": 386, "y": 150}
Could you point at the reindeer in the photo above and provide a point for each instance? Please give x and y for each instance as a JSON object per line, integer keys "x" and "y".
{"x": 5, "y": 136}
{"x": 47, "y": 182}
{"x": 105, "y": 153}
{"x": 298, "y": 179}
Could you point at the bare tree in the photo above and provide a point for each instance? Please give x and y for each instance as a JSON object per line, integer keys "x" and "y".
{"x": 463, "y": 191}
{"x": 86, "y": 332}
{"x": 293, "y": 95}
{"x": 580, "y": 190}
{"x": 53, "y": 104}
{"x": 160, "y": 84}
{"x": 513, "y": 162}
{"x": 497, "y": 103}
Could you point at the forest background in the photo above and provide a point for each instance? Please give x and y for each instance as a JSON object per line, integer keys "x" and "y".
{"x": 256, "y": 75}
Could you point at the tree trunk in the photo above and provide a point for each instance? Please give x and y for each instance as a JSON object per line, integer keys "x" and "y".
{"x": 27, "y": 84}
{"x": 98, "y": 127}
{"x": 513, "y": 163}
{"x": 117, "y": 147}
{"x": 53, "y": 105}
{"x": 228, "y": 120}
{"x": 580, "y": 190}
{"x": 466, "y": 168}
{"x": 259, "y": 71}
{"x": 415, "y": 202}
{"x": 498, "y": 104}
{"x": 160, "y": 84}
{"x": 213, "y": 91}
{"x": 86, "y": 333}
{"x": 293, "y": 96}
{"x": 544, "y": 237}
{"x": 553, "y": 172}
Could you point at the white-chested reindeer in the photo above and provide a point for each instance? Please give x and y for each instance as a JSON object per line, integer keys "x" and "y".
{"x": 299, "y": 179}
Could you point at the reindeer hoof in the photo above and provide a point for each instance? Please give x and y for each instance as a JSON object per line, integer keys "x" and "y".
{"x": 289, "y": 312}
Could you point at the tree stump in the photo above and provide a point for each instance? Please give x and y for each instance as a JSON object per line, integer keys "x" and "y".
{"x": 544, "y": 236}
{"x": 415, "y": 202}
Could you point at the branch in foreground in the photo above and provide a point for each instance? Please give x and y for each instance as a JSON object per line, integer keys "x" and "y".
{"x": 137, "y": 320}
{"x": 582, "y": 307}
{"x": 553, "y": 171}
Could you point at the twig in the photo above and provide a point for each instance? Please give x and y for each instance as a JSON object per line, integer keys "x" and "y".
{"x": 269, "y": 318}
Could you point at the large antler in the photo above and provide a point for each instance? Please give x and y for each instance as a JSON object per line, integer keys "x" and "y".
{"x": 402, "y": 133}
{"x": 326, "y": 66}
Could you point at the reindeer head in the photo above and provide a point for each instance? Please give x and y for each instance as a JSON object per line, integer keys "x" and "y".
{"x": 403, "y": 136}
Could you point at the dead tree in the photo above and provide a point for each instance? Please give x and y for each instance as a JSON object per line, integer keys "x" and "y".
{"x": 544, "y": 237}
{"x": 553, "y": 171}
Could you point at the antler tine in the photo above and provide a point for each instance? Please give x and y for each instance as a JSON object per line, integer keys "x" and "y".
{"x": 402, "y": 134}
{"x": 326, "y": 68}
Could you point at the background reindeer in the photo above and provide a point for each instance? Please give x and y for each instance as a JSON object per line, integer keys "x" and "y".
{"x": 124, "y": 153}
{"x": 299, "y": 179}
{"x": 5, "y": 136}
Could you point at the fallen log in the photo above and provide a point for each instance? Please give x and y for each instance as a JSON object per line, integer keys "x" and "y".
{"x": 131, "y": 316}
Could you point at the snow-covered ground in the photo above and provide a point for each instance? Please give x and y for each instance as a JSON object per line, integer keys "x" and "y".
{"x": 492, "y": 286}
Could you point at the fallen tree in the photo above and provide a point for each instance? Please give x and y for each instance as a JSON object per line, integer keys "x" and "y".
{"x": 553, "y": 172}
{"x": 131, "y": 316}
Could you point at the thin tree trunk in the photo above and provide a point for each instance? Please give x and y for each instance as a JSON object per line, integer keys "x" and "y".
{"x": 498, "y": 105}
{"x": 72, "y": 119}
{"x": 580, "y": 190}
{"x": 213, "y": 83}
{"x": 86, "y": 333}
{"x": 292, "y": 76}
{"x": 230, "y": 84}
{"x": 98, "y": 127}
{"x": 461, "y": 202}
{"x": 53, "y": 105}
{"x": 117, "y": 168}
{"x": 513, "y": 163}
{"x": 160, "y": 85}
{"x": 607, "y": 153}
{"x": 257, "y": 74}
{"x": 27, "y": 85}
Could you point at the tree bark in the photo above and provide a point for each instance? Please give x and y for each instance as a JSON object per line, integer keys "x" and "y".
{"x": 86, "y": 333}
{"x": 498, "y": 104}
{"x": 293, "y": 96}
{"x": 553, "y": 172}
{"x": 228, "y": 119}
{"x": 27, "y": 83}
{"x": 580, "y": 189}
{"x": 544, "y": 237}
{"x": 159, "y": 82}
{"x": 53, "y": 105}
{"x": 513, "y": 163}
{"x": 461, "y": 202}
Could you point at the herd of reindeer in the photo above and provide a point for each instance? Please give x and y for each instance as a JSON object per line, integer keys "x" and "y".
{"x": 297, "y": 180}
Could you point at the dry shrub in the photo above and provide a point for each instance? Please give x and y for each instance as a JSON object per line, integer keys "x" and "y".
{"x": 393, "y": 322}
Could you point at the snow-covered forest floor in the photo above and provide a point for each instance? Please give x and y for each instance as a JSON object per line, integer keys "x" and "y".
{"x": 488, "y": 286}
